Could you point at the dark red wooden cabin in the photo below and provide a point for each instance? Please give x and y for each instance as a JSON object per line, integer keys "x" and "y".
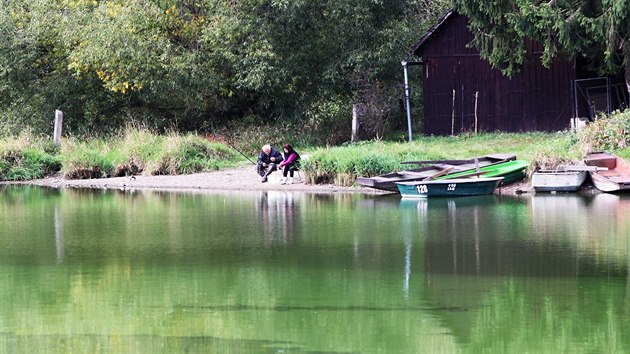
{"x": 460, "y": 89}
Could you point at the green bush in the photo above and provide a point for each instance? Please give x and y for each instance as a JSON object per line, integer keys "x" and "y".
{"x": 606, "y": 133}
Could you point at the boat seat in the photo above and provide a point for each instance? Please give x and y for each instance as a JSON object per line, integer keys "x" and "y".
{"x": 609, "y": 173}
{"x": 606, "y": 161}
{"x": 412, "y": 174}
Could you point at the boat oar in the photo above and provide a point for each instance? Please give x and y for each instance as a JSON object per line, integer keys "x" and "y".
{"x": 433, "y": 162}
{"x": 440, "y": 174}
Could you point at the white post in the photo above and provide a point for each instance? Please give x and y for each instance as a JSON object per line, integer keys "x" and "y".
{"x": 58, "y": 125}
{"x": 407, "y": 94}
{"x": 355, "y": 122}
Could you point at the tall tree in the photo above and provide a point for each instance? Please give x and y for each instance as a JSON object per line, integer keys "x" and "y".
{"x": 201, "y": 64}
{"x": 598, "y": 29}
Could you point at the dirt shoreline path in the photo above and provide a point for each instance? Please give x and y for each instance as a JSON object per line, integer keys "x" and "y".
{"x": 241, "y": 178}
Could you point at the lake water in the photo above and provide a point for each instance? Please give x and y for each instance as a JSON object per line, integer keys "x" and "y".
{"x": 89, "y": 271}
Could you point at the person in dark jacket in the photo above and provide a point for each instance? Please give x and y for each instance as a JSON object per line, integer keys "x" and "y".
{"x": 289, "y": 164}
{"x": 268, "y": 161}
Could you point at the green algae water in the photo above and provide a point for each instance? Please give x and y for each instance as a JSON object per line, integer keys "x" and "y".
{"x": 90, "y": 271}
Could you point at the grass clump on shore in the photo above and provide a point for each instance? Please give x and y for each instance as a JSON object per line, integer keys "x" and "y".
{"x": 27, "y": 157}
{"x": 189, "y": 154}
{"x": 142, "y": 152}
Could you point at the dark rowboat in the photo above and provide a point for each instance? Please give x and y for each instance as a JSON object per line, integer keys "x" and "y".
{"x": 614, "y": 174}
{"x": 457, "y": 187}
{"x": 434, "y": 170}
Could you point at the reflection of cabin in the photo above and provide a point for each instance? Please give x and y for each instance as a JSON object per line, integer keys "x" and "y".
{"x": 460, "y": 88}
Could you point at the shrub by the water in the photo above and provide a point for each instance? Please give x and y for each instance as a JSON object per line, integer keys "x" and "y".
{"x": 606, "y": 133}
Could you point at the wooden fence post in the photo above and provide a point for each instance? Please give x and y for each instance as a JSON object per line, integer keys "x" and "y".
{"x": 58, "y": 125}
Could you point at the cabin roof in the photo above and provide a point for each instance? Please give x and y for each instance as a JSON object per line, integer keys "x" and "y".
{"x": 417, "y": 48}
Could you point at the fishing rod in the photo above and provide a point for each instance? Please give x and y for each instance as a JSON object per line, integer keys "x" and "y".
{"x": 237, "y": 150}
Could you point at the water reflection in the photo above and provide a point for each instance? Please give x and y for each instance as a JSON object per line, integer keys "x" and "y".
{"x": 297, "y": 272}
{"x": 58, "y": 234}
{"x": 277, "y": 216}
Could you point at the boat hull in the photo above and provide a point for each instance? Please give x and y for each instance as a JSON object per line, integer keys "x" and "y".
{"x": 615, "y": 176}
{"x": 458, "y": 187}
{"x": 387, "y": 182}
{"x": 558, "y": 180}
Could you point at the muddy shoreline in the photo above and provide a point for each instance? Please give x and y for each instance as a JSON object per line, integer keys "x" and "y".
{"x": 242, "y": 178}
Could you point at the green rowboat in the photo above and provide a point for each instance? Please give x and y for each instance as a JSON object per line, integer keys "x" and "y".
{"x": 511, "y": 171}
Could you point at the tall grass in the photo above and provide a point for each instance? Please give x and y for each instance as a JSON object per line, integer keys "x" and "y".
{"x": 189, "y": 154}
{"x": 137, "y": 151}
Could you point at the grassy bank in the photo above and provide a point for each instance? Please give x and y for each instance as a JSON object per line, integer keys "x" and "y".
{"x": 341, "y": 165}
{"x": 138, "y": 151}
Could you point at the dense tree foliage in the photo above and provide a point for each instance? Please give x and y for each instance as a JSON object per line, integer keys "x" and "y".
{"x": 599, "y": 30}
{"x": 199, "y": 65}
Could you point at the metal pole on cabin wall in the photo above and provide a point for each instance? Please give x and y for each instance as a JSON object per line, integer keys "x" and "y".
{"x": 462, "y": 115}
{"x": 58, "y": 126}
{"x": 404, "y": 65}
{"x": 608, "y": 102}
{"x": 476, "y": 119}
{"x": 575, "y": 106}
{"x": 453, "y": 115}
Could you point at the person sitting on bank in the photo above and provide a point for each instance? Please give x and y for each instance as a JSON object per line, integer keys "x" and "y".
{"x": 289, "y": 164}
{"x": 268, "y": 161}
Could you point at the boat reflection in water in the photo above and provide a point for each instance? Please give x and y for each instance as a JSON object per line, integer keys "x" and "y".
{"x": 589, "y": 224}
{"x": 495, "y": 263}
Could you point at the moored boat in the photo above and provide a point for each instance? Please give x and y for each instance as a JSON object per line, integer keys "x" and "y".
{"x": 558, "y": 180}
{"x": 613, "y": 174}
{"x": 432, "y": 170}
{"x": 457, "y": 187}
{"x": 511, "y": 171}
